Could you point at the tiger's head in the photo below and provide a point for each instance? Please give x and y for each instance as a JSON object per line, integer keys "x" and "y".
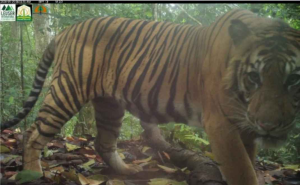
{"x": 264, "y": 75}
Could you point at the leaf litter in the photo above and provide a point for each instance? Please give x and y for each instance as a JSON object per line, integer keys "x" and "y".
{"x": 73, "y": 161}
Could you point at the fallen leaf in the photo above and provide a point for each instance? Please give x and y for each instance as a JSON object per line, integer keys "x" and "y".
{"x": 293, "y": 167}
{"x": 115, "y": 182}
{"x": 121, "y": 155}
{"x": 162, "y": 181}
{"x": 47, "y": 152}
{"x": 18, "y": 130}
{"x": 53, "y": 176}
{"x": 86, "y": 165}
{"x": 7, "y": 159}
{"x": 59, "y": 169}
{"x": 49, "y": 174}
{"x": 13, "y": 177}
{"x": 87, "y": 151}
{"x": 86, "y": 181}
{"x": 184, "y": 169}
{"x": 55, "y": 144}
{"x": 209, "y": 155}
{"x": 82, "y": 139}
{"x": 145, "y": 148}
{"x": 7, "y": 132}
{"x": 4, "y": 149}
{"x": 45, "y": 165}
{"x": 71, "y": 147}
{"x": 167, "y": 169}
{"x": 90, "y": 156}
{"x": 142, "y": 161}
{"x": 166, "y": 155}
{"x": 10, "y": 142}
{"x": 71, "y": 175}
{"x": 99, "y": 158}
{"x": 70, "y": 138}
{"x": 99, "y": 177}
{"x": 9, "y": 174}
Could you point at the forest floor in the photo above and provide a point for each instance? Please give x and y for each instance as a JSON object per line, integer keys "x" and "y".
{"x": 73, "y": 160}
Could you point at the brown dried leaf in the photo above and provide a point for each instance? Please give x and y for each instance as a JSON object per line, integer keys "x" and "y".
{"x": 71, "y": 175}
{"x": 8, "y": 174}
{"x": 166, "y": 155}
{"x": 56, "y": 169}
{"x": 86, "y": 181}
{"x": 70, "y": 138}
{"x": 142, "y": 160}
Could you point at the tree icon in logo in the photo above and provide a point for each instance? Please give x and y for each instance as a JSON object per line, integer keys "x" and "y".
{"x": 7, "y": 8}
{"x": 40, "y": 9}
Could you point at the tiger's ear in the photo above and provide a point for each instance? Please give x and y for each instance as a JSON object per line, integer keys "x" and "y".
{"x": 238, "y": 31}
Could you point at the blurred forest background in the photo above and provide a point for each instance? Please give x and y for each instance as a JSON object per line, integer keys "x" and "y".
{"x": 22, "y": 45}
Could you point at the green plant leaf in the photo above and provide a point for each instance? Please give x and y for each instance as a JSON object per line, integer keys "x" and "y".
{"x": 4, "y": 149}
{"x": 11, "y": 100}
{"x": 71, "y": 147}
{"x": 27, "y": 176}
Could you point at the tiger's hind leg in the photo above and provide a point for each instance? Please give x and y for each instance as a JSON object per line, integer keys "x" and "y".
{"x": 56, "y": 110}
{"x": 109, "y": 114}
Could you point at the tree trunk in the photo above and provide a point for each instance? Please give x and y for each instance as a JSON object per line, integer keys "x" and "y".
{"x": 55, "y": 21}
{"x": 14, "y": 46}
{"x": 22, "y": 71}
{"x": 86, "y": 7}
{"x": 1, "y": 79}
{"x": 41, "y": 34}
{"x": 154, "y": 10}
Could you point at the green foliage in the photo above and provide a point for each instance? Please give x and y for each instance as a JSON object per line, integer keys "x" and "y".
{"x": 69, "y": 127}
{"x": 288, "y": 12}
{"x": 27, "y": 176}
{"x": 290, "y": 153}
{"x": 131, "y": 127}
{"x": 188, "y": 137}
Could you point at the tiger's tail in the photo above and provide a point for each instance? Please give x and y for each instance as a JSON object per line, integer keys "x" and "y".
{"x": 38, "y": 83}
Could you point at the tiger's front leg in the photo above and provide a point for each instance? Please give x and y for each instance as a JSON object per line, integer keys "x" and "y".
{"x": 109, "y": 114}
{"x": 230, "y": 152}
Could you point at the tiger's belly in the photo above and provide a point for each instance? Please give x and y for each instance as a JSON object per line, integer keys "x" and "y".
{"x": 161, "y": 115}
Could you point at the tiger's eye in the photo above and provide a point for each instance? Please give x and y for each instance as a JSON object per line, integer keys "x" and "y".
{"x": 254, "y": 77}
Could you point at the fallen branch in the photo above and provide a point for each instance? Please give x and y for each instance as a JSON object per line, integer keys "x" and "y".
{"x": 204, "y": 170}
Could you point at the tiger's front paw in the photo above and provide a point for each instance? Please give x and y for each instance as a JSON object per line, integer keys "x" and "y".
{"x": 117, "y": 164}
{"x": 125, "y": 169}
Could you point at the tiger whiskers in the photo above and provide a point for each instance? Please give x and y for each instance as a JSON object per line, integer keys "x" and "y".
{"x": 241, "y": 119}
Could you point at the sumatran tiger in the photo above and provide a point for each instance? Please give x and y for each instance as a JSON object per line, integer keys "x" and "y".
{"x": 239, "y": 77}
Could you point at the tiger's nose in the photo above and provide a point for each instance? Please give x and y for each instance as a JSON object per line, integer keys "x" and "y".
{"x": 267, "y": 126}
